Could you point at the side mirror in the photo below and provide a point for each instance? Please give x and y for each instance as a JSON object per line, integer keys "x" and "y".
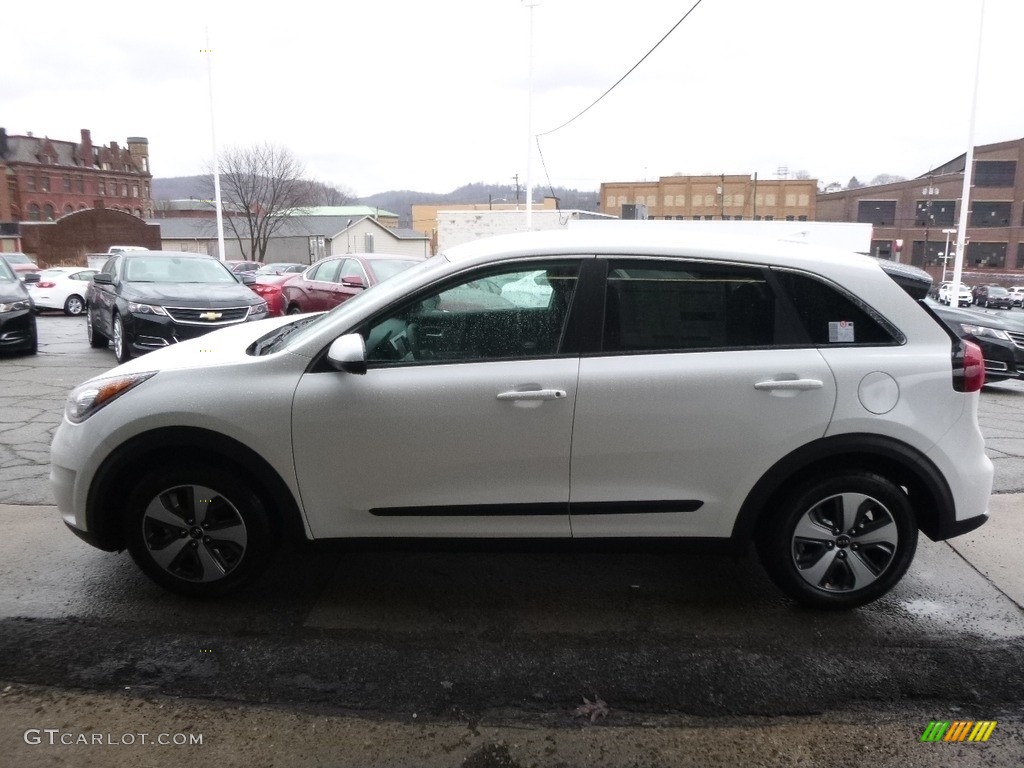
{"x": 103, "y": 278}
{"x": 348, "y": 354}
{"x": 247, "y": 278}
{"x": 353, "y": 281}
{"x": 31, "y": 277}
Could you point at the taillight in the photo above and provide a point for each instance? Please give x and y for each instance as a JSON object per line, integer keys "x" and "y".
{"x": 264, "y": 290}
{"x": 46, "y": 285}
{"x": 968, "y": 367}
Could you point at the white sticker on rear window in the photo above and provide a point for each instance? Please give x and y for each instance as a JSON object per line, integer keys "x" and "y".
{"x": 841, "y": 332}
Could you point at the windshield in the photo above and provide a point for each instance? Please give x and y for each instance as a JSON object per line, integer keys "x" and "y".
{"x": 6, "y": 273}
{"x": 352, "y": 307}
{"x": 17, "y": 258}
{"x": 172, "y": 269}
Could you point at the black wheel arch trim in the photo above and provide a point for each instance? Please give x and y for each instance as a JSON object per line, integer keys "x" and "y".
{"x": 927, "y": 489}
{"x": 140, "y": 453}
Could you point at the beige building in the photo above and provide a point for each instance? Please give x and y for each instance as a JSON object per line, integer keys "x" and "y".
{"x": 724, "y": 197}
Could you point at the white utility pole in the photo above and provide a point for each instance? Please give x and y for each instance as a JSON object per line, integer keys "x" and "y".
{"x": 530, "y": 4}
{"x": 216, "y": 159}
{"x": 965, "y": 197}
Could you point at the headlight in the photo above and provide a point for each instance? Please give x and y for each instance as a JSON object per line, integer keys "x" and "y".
{"x": 89, "y": 397}
{"x": 145, "y": 309}
{"x": 14, "y": 306}
{"x": 984, "y": 330}
{"x": 258, "y": 309}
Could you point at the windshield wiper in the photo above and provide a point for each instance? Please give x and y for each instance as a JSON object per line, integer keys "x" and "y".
{"x": 270, "y": 343}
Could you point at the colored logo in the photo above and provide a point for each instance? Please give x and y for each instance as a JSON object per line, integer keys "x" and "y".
{"x": 958, "y": 730}
{"x": 211, "y": 315}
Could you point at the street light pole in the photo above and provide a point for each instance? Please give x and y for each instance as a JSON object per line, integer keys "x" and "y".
{"x": 945, "y": 254}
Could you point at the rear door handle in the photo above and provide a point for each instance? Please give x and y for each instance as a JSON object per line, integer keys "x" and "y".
{"x": 790, "y": 385}
{"x": 534, "y": 394}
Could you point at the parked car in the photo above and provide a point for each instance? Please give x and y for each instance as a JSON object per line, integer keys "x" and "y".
{"x": 20, "y": 263}
{"x": 279, "y": 268}
{"x": 1000, "y": 337}
{"x": 963, "y": 298}
{"x": 336, "y": 279}
{"x": 1017, "y": 295}
{"x": 994, "y": 296}
{"x": 243, "y": 266}
{"x": 672, "y": 387}
{"x": 17, "y": 318}
{"x": 268, "y": 288}
{"x": 62, "y": 288}
{"x": 146, "y": 300}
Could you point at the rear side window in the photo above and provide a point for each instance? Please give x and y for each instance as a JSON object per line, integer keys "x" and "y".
{"x": 653, "y": 306}
{"x": 831, "y": 317}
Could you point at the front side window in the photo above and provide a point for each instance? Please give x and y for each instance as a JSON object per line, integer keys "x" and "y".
{"x": 327, "y": 272}
{"x": 653, "y": 306}
{"x": 511, "y": 313}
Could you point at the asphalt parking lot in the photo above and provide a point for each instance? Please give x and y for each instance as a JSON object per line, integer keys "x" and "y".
{"x": 699, "y": 660}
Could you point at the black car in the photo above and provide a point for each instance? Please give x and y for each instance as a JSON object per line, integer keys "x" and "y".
{"x": 17, "y": 319}
{"x": 993, "y": 296}
{"x": 1001, "y": 339}
{"x": 145, "y": 300}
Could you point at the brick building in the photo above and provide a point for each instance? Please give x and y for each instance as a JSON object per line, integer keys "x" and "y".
{"x": 48, "y": 178}
{"x": 919, "y": 214}
{"x": 726, "y": 197}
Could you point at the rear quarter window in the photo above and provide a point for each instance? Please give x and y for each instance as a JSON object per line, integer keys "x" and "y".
{"x": 832, "y": 317}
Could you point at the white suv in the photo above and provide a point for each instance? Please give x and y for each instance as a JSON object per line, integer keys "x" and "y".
{"x": 964, "y": 297}
{"x": 578, "y": 384}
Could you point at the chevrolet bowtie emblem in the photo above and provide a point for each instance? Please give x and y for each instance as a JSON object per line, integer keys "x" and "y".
{"x": 210, "y": 315}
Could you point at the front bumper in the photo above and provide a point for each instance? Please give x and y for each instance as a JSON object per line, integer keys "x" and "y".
{"x": 17, "y": 330}
{"x": 147, "y": 332}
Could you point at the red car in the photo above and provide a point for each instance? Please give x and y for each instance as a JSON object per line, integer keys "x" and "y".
{"x": 335, "y": 279}
{"x": 20, "y": 263}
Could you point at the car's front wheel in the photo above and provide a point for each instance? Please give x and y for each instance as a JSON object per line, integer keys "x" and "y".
{"x": 197, "y": 530}
{"x": 839, "y": 541}
{"x": 122, "y": 345}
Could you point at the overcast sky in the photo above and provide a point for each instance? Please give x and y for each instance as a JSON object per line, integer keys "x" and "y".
{"x": 432, "y": 94}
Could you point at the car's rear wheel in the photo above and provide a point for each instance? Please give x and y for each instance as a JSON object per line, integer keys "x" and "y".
{"x": 294, "y": 310}
{"x": 197, "y": 530}
{"x": 122, "y": 346}
{"x": 75, "y": 305}
{"x": 839, "y": 541}
{"x": 97, "y": 340}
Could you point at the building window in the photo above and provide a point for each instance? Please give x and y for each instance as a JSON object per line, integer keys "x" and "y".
{"x": 990, "y": 214}
{"x": 801, "y": 218}
{"x": 986, "y": 255}
{"x": 995, "y": 173}
{"x": 738, "y": 218}
{"x": 725, "y": 218}
{"x": 680, "y": 218}
{"x": 769, "y": 218}
{"x": 135, "y": 190}
{"x": 881, "y": 212}
{"x": 80, "y": 185}
{"x": 138, "y": 212}
{"x": 66, "y": 181}
{"x": 44, "y": 183}
{"x": 757, "y": 217}
{"x": 101, "y": 187}
{"x": 790, "y": 218}
{"x": 30, "y": 182}
{"x": 882, "y": 249}
{"x": 935, "y": 213}
{"x": 68, "y": 209}
{"x": 928, "y": 253}
{"x": 1020, "y": 256}
{"x": 34, "y": 214}
{"x": 48, "y": 212}
{"x": 124, "y": 189}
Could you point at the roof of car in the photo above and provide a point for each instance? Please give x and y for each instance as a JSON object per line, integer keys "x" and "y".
{"x": 634, "y": 241}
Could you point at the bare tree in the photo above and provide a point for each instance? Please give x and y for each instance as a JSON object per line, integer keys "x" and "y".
{"x": 328, "y": 194}
{"x": 886, "y": 178}
{"x": 261, "y": 187}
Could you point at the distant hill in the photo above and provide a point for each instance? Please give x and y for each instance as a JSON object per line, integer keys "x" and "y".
{"x": 399, "y": 201}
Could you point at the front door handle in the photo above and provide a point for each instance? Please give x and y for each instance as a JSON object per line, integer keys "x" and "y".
{"x": 790, "y": 385}
{"x": 534, "y": 394}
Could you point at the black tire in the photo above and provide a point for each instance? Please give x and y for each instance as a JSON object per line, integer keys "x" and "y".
{"x": 74, "y": 306}
{"x": 197, "y": 530}
{"x": 294, "y": 310}
{"x": 96, "y": 339}
{"x": 839, "y": 541}
{"x": 122, "y": 345}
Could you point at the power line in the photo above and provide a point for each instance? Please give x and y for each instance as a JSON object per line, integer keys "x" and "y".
{"x": 617, "y": 82}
